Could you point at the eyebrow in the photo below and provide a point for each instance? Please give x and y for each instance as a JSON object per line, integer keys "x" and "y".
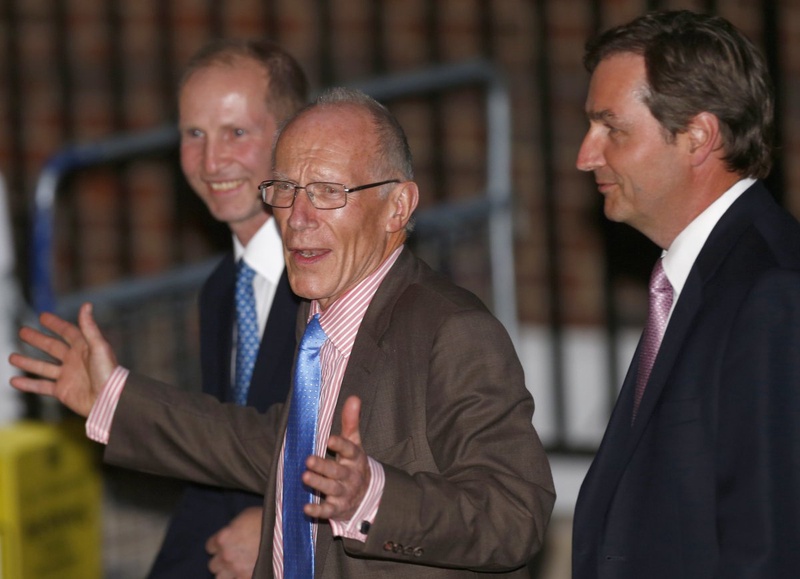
{"x": 603, "y": 115}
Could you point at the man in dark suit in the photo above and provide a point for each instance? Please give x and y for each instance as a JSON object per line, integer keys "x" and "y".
{"x": 232, "y": 97}
{"x": 425, "y": 463}
{"x": 697, "y": 475}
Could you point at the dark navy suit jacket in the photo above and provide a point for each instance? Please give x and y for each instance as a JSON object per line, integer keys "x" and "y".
{"x": 706, "y": 483}
{"x": 203, "y": 510}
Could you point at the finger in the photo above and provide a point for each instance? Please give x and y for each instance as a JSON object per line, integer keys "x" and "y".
{"x": 337, "y": 508}
{"x": 350, "y": 420}
{"x": 327, "y": 485}
{"x": 44, "y": 342}
{"x": 344, "y": 448}
{"x": 212, "y": 545}
{"x": 103, "y": 355}
{"x": 88, "y": 326}
{"x": 40, "y": 368}
{"x": 33, "y": 385}
{"x": 215, "y": 566}
{"x": 321, "y": 511}
{"x": 325, "y": 468}
{"x": 67, "y": 331}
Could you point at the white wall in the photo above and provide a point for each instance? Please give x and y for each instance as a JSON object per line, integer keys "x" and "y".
{"x": 586, "y": 397}
{"x": 10, "y": 313}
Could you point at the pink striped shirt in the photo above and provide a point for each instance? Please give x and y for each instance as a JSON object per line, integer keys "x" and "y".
{"x": 340, "y": 321}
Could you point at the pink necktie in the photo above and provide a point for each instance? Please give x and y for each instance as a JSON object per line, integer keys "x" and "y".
{"x": 658, "y": 312}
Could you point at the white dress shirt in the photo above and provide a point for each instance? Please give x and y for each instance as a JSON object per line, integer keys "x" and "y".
{"x": 681, "y": 255}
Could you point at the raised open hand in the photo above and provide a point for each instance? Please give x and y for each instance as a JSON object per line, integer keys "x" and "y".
{"x": 83, "y": 361}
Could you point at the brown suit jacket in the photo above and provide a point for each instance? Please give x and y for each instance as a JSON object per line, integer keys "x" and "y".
{"x": 444, "y": 409}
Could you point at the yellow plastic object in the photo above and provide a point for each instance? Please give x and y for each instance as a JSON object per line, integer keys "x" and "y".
{"x": 50, "y": 500}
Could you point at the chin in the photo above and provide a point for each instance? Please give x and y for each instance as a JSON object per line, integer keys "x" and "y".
{"x": 299, "y": 287}
{"x": 613, "y": 213}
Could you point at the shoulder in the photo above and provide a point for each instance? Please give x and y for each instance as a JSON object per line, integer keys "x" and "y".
{"x": 778, "y": 228}
{"x": 429, "y": 303}
{"x": 418, "y": 288}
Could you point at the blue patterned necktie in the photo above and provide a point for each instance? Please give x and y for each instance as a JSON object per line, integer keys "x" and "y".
{"x": 247, "y": 340}
{"x": 301, "y": 434}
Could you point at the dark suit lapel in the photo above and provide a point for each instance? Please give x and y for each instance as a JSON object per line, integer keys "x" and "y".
{"x": 718, "y": 245}
{"x": 601, "y": 480}
{"x": 622, "y": 436}
{"x": 216, "y": 329}
{"x": 275, "y": 348}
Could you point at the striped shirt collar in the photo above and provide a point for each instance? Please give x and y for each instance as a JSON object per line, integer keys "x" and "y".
{"x": 342, "y": 318}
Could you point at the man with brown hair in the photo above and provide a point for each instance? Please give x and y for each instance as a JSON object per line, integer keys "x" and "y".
{"x": 698, "y": 471}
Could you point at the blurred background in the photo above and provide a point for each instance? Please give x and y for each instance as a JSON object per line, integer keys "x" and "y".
{"x": 93, "y": 204}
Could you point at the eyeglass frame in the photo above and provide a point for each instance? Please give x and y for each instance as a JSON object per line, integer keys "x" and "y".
{"x": 264, "y": 185}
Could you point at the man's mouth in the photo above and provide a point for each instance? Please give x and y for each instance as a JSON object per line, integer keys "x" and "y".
{"x": 308, "y": 253}
{"x": 225, "y": 186}
{"x": 603, "y": 187}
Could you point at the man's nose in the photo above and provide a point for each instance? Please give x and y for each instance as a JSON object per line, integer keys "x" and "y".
{"x": 302, "y": 211}
{"x": 214, "y": 155}
{"x": 589, "y": 155}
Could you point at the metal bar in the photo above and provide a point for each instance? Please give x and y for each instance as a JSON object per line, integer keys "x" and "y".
{"x": 499, "y": 191}
{"x": 140, "y": 290}
{"x": 772, "y": 54}
{"x": 68, "y": 160}
{"x": 551, "y": 215}
{"x": 16, "y": 164}
{"x": 325, "y": 46}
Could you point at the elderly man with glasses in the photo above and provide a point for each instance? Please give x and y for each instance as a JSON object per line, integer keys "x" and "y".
{"x": 421, "y": 459}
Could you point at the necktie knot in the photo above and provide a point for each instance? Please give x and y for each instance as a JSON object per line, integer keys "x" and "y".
{"x": 244, "y": 273}
{"x": 659, "y": 282}
{"x": 314, "y": 336}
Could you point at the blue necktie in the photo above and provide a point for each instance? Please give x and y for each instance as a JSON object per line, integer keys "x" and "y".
{"x": 301, "y": 434}
{"x": 247, "y": 340}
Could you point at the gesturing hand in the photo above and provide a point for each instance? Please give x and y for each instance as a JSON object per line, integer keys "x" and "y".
{"x": 84, "y": 361}
{"x": 343, "y": 482}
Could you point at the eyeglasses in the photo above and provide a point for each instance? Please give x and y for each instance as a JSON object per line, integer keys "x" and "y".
{"x": 282, "y": 194}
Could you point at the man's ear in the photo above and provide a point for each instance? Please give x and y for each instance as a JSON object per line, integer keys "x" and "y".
{"x": 704, "y": 137}
{"x": 403, "y": 201}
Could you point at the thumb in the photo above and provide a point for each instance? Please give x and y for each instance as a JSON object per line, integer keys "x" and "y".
{"x": 88, "y": 326}
{"x": 351, "y": 414}
{"x": 103, "y": 359}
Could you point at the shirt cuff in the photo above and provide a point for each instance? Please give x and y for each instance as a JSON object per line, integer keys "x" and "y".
{"x": 357, "y": 527}
{"x": 98, "y": 424}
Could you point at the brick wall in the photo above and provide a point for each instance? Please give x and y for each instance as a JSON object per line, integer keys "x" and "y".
{"x": 101, "y": 66}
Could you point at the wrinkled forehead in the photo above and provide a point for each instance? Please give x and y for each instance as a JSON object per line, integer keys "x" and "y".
{"x": 326, "y": 139}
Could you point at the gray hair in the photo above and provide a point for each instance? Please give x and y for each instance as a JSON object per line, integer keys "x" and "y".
{"x": 393, "y": 158}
